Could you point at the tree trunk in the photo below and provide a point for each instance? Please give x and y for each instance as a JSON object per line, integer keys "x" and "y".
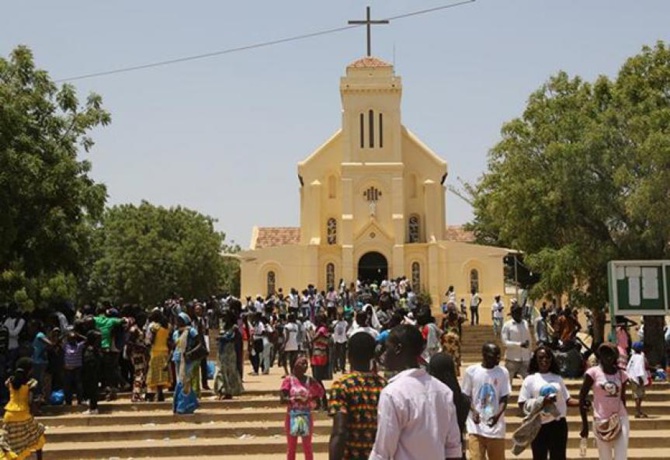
{"x": 654, "y": 344}
{"x": 599, "y": 332}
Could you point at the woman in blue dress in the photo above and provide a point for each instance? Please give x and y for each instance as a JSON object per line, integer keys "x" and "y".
{"x": 186, "y": 342}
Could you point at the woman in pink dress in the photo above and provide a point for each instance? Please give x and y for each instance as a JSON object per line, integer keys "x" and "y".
{"x": 623, "y": 341}
{"x": 300, "y": 393}
{"x": 610, "y": 425}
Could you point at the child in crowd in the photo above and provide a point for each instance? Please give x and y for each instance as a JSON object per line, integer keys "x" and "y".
{"x": 73, "y": 352}
{"x": 638, "y": 374}
{"x": 90, "y": 371}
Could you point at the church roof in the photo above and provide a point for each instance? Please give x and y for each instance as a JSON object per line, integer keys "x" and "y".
{"x": 369, "y": 61}
{"x": 459, "y": 234}
{"x": 268, "y": 237}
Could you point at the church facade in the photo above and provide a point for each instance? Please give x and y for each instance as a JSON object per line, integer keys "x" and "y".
{"x": 372, "y": 207}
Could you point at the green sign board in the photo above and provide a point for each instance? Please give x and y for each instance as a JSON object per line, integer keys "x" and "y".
{"x": 639, "y": 287}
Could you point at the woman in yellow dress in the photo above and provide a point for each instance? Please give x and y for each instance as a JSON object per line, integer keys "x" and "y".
{"x": 23, "y": 435}
{"x": 158, "y": 339}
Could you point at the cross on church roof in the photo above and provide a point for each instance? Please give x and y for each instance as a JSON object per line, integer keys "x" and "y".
{"x": 368, "y": 22}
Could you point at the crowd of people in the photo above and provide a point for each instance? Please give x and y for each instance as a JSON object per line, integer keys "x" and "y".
{"x": 398, "y": 395}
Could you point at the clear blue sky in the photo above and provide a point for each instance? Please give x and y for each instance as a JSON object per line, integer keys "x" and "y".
{"x": 223, "y": 135}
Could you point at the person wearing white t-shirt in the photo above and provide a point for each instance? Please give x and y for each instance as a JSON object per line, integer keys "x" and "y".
{"x": 516, "y": 339}
{"x": 488, "y": 387}
{"x": 545, "y": 382}
{"x": 497, "y": 315}
{"x": 340, "y": 327}
{"x": 266, "y": 355}
{"x": 258, "y": 332}
{"x": 361, "y": 325}
{"x": 475, "y": 300}
{"x": 291, "y": 342}
{"x": 637, "y": 374}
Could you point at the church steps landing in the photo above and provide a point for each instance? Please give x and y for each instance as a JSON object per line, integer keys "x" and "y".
{"x": 229, "y": 429}
{"x": 253, "y": 446}
{"x": 592, "y": 454}
{"x": 652, "y": 397}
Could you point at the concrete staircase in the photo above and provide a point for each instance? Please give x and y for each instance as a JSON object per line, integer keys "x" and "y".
{"x": 251, "y": 427}
{"x": 472, "y": 339}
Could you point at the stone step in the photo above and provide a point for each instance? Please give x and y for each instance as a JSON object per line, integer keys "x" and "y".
{"x": 591, "y": 454}
{"x": 571, "y": 384}
{"x": 272, "y": 414}
{"x": 253, "y": 446}
{"x": 268, "y": 401}
{"x": 241, "y": 428}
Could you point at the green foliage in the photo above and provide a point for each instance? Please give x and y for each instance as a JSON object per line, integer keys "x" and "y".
{"x": 231, "y": 281}
{"x": 48, "y": 202}
{"x": 583, "y": 177}
{"x": 144, "y": 253}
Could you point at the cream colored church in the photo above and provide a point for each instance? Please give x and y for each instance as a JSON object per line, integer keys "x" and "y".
{"x": 372, "y": 206}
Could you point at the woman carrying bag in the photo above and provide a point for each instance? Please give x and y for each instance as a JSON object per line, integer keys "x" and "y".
{"x": 610, "y": 418}
{"x": 300, "y": 392}
{"x": 188, "y": 352}
{"x": 544, "y": 399}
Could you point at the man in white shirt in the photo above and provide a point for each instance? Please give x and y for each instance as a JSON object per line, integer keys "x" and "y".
{"x": 416, "y": 416}
{"x": 475, "y": 300}
{"x": 488, "y": 386}
{"x": 291, "y": 342}
{"x": 361, "y": 325}
{"x": 340, "y": 327}
{"x": 497, "y": 315}
{"x": 516, "y": 338}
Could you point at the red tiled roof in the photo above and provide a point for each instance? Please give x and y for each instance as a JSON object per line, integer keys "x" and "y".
{"x": 369, "y": 61}
{"x": 277, "y": 236}
{"x": 459, "y": 234}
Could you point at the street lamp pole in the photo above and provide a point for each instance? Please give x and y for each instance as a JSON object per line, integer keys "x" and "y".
{"x": 516, "y": 280}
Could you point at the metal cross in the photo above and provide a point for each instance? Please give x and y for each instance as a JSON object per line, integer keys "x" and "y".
{"x": 368, "y": 22}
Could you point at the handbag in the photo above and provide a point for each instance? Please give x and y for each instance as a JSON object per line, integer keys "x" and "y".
{"x": 609, "y": 429}
{"x": 299, "y": 422}
{"x": 195, "y": 352}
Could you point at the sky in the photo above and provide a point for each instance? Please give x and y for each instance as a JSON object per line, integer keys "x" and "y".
{"x": 223, "y": 135}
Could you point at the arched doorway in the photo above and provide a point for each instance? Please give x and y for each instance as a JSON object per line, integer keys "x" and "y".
{"x": 373, "y": 267}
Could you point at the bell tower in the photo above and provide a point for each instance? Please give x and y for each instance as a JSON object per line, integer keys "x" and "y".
{"x": 371, "y": 122}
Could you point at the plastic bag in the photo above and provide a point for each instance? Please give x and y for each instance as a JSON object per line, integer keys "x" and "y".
{"x": 299, "y": 422}
{"x": 57, "y": 398}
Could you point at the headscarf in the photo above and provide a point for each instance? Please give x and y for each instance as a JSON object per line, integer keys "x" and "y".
{"x": 185, "y": 318}
{"x": 182, "y": 345}
{"x": 372, "y": 314}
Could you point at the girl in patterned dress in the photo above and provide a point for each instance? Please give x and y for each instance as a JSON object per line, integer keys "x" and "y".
{"x": 23, "y": 434}
{"x": 138, "y": 354}
{"x": 159, "y": 338}
{"x": 300, "y": 393}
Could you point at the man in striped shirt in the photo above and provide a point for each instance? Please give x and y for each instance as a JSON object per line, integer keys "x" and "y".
{"x": 353, "y": 403}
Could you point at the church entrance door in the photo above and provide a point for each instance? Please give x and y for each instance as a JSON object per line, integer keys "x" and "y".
{"x": 372, "y": 267}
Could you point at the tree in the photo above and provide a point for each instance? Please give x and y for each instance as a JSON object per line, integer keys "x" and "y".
{"x": 583, "y": 177}
{"x": 145, "y": 253}
{"x": 48, "y": 202}
{"x": 231, "y": 282}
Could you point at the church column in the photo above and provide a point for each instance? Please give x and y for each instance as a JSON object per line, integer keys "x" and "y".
{"x": 433, "y": 273}
{"x": 312, "y": 208}
{"x": 398, "y": 217}
{"x": 347, "y": 231}
{"x": 432, "y": 219}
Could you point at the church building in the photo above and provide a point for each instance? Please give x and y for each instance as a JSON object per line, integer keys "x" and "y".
{"x": 372, "y": 207}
